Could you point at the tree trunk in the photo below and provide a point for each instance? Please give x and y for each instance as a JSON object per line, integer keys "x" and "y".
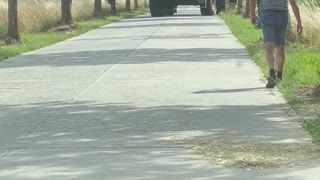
{"x": 258, "y": 5}
{"x": 97, "y": 8}
{"x": 227, "y": 4}
{"x": 113, "y": 7}
{"x": 66, "y": 18}
{"x": 239, "y": 7}
{"x": 128, "y": 5}
{"x": 136, "y": 4}
{"x": 13, "y": 32}
{"x": 145, "y": 4}
{"x": 247, "y": 9}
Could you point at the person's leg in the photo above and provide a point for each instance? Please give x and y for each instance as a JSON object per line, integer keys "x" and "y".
{"x": 280, "y": 59}
{"x": 281, "y": 33}
{"x": 269, "y": 40}
{"x": 269, "y": 53}
{"x": 269, "y": 50}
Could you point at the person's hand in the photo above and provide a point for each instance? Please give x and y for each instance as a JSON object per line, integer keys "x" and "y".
{"x": 254, "y": 20}
{"x": 299, "y": 28}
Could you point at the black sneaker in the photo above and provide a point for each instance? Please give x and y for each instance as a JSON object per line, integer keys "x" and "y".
{"x": 279, "y": 76}
{"x": 271, "y": 82}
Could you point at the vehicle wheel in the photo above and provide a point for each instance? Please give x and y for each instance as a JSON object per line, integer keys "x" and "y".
{"x": 208, "y": 10}
{"x": 157, "y": 8}
{"x": 220, "y": 5}
{"x": 170, "y": 12}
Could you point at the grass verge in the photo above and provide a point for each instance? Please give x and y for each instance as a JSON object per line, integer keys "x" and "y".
{"x": 34, "y": 41}
{"x": 301, "y": 79}
{"x": 314, "y": 128}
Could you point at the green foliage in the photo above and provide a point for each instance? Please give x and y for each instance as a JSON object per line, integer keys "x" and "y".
{"x": 313, "y": 127}
{"x": 303, "y": 66}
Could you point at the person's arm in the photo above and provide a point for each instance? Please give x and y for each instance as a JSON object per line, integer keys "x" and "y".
{"x": 253, "y": 16}
{"x": 296, "y": 13}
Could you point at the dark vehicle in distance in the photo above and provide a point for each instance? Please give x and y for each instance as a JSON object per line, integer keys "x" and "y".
{"x": 160, "y": 8}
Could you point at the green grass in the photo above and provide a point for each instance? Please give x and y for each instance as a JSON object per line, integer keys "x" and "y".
{"x": 302, "y": 67}
{"x": 314, "y": 129}
{"x": 310, "y": 3}
{"x": 35, "y": 41}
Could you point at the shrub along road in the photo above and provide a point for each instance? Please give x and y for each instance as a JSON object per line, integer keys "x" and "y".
{"x": 147, "y": 98}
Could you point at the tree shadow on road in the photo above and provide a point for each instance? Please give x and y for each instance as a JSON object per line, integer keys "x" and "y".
{"x": 179, "y": 17}
{"x": 139, "y": 56}
{"x": 117, "y": 26}
{"x": 82, "y": 140}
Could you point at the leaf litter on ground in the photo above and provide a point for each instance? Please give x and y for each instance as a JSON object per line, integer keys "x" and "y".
{"x": 248, "y": 155}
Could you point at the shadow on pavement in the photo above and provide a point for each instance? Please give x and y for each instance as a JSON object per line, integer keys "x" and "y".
{"x": 179, "y": 17}
{"x": 228, "y": 90}
{"x": 139, "y": 56}
{"x": 177, "y": 37}
{"x": 88, "y": 140}
{"x": 85, "y": 140}
{"x": 116, "y": 26}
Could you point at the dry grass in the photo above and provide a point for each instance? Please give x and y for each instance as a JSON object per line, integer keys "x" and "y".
{"x": 40, "y": 15}
{"x": 3, "y": 18}
{"x": 247, "y": 155}
{"x": 310, "y": 19}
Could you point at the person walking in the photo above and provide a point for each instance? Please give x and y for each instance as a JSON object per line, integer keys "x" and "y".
{"x": 274, "y": 19}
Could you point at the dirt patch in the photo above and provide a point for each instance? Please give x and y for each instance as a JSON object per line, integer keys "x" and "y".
{"x": 248, "y": 155}
{"x": 309, "y": 94}
{"x": 316, "y": 91}
{"x": 64, "y": 29}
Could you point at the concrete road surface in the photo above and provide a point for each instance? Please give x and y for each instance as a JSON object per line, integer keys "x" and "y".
{"x": 100, "y": 106}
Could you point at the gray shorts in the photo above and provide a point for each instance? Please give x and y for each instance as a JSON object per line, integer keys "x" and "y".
{"x": 274, "y": 26}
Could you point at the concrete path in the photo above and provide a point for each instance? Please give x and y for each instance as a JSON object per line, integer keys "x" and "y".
{"x": 100, "y": 105}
